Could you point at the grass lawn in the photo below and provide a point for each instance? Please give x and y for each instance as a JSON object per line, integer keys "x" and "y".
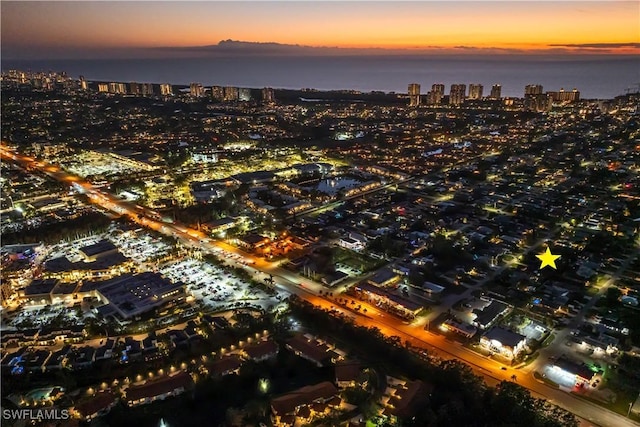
{"x": 355, "y": 260}
{"x": 620, "y": 406}
{"x": 548, "y": 340}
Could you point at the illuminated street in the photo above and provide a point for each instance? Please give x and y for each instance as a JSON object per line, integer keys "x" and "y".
{"x": 389, "y": 325}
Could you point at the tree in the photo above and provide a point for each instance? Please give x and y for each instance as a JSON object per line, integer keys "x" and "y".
{"x": 612, "y": 296}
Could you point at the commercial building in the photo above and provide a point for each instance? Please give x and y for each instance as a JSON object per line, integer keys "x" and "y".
{"x": 384, "y": 277}
{"x": 463, "y": 329}
{"x": 581, "y": 372}
{"x": 98, "y": 250}
{"x": 503, "y": 341}
{"x": 218, "y": 225}
{"x": 414, "y": 94}
{"x": 488, "y": 315}
{"x": 252, "y": 241}
{"x": 130, "y": 295}
{"x": 433, "y": 291}
{"x": 389, "y": 300}
{"x": 332, "y": 279}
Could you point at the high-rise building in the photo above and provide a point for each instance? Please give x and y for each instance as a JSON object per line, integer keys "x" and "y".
{"x": 268, "y": 95}
{"x": 196, "y": 90}
{"x": 565, "y": 96}
{"x": 83, "y": 83}
{"x": 475, "y": 91}
{"x": 166, "y": 89}
{"x": 119, "y": 88}
{"x": 496, "y": 92}
{"x": 103, "y": 87}
{"x": 436, "y": 94}
{"x": 244, "y": 94}
{"x": 457, "y": 94}
{"x": 532, "y": 90}
{"x": 538, "y": 102}
{"x": 414, "y": 94}
{"x": 134, "y": 88}
{"x": 146, "y": 89}
{"x": 230, "y": 93}
{"x": 217, "y": 93}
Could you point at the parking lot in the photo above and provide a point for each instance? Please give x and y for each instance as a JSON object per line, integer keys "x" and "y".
{"x": 35, "y": 315}
{"x": 139, "y": 246}
{"x": 208, "y": 285}
{"x": 212, "y": 286}
{"x": 533, "y": 331}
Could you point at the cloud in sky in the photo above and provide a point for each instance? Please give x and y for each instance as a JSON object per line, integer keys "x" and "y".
{"x": 598, "y": 45}
{"x": 51, "y": 29}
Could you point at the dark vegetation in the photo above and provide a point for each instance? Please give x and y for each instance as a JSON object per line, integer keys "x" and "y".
{"x": 85, "y": 224}
{"x": 460, "y": 398}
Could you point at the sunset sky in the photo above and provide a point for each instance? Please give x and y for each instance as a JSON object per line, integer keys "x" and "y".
{"x": 71, "y": 29}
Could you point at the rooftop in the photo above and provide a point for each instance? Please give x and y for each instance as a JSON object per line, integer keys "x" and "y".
{"x": 505, "y": 337}
{"x": 158, "y": 387}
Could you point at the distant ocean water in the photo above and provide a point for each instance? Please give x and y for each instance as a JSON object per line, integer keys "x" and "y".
{"x": 593, "y": 76}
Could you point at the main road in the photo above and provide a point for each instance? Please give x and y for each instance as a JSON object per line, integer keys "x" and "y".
{"x": 491, "y": 370}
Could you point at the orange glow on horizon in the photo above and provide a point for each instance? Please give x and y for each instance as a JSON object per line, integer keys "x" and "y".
{"x": 566, "y": 27}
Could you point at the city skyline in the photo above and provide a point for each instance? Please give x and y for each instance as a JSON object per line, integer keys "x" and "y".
{"x": 49, "y": 30}
{"x": 298, "y": 213}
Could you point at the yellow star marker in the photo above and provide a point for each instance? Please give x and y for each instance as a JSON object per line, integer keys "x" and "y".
{"x": 548, "y": 258}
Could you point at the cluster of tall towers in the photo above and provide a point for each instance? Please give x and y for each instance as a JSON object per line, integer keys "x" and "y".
{"x": 534, "y": 97}
{"x": 537, "y": 100}
{"x": 231, "y": 93}
{"x": 457, "y": 93}
{"x": 196, "y": 90}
